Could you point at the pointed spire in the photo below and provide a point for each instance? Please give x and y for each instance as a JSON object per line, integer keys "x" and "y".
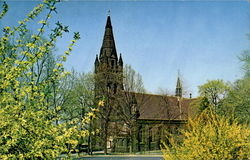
{"x": 108, "y": 48}
{"x": 108, "y": 24}
{"x": 178, "y": 91}
{"x": 96, "y": 60}
{"x": 96, "y": 63}
{"x": 120, "y": 60}
{"x": 178, "y": 85}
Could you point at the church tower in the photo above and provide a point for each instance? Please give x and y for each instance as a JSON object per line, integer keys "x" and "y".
{"x": 178, "y": 91}
{"x": 108, "y": 67}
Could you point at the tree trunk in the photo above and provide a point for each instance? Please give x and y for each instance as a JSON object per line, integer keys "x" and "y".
{"x": 90, "y": 144}
{"x": 105, "y": 139}
{"x": 90, "y": 138}
{"x": 131, "y": 143}
{"x": 138, "y": 136}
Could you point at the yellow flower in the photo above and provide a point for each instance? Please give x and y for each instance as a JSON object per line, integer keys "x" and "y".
{"x": 64, "y": 58}
{"x": 17, "y": 61}
{"x": 8, "y": 76}
{"x": 31, "y": 45}
{"x": 42, "y": 49}
{"x": 21, "y": 22}
{"x": 41, "y": 30}
{"x": 5, "y": 38}
{"x": 29, "y": 73}
{"x": 7, "y": 28}
{"x": 86, "y": 120}
{"x": 26, "y": 19}
{"x": 59, "y": 64}
{"x": 97, "y": 130}
{"x": 74, "y": 142}
{"x": 66, "y": 52}
{"x": 90, "y": 114}
{"x": 70, "y": 48}
{"x": 59, "y": 138}
{"x": 95, "y": 110}
{"x": 35, "y": 37}
{"x": 39, "y": 55}
{"x": 101, "y": 103}
{"x": 42, "y": 22}
{"x": 65, "y": 74}
{"x": 58, "y": 107}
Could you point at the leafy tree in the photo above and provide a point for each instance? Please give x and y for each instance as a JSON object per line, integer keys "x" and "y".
{"x": 215, "y": 91}
{"x": 132, "y": 81}
{"x": 210, "y": 136}
{"x": 78, "y": 101}
{"x": 245, "y": 58}
{"x": 237, "y": 103}
{"x": 127, "y": 106}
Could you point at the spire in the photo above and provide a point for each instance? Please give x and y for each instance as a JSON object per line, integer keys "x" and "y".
{"x": 108, "y": 24}
{"x": 120, "y": 60}
{"x": 178, "y": 91}
{"x": 96, "y": 61}
{"x": 108, "y": 48}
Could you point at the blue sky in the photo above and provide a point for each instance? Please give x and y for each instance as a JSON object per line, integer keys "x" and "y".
{"x": 202, "y": 39}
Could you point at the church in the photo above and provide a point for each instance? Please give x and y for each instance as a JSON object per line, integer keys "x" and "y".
{"x": 134, "y": 122}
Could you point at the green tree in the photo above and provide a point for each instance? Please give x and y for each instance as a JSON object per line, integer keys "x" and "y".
{"x": 78, "y": 101}
{"x": 215, "y": 91}
{"x": 245, "y": 58}
{"x": 237, "y": 103}
{"x": 80, "y": 95}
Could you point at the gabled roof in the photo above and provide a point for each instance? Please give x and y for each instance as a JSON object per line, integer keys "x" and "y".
{"x": 161, "y": 107}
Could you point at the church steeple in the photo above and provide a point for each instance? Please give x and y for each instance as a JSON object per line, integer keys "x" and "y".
{"x": 108, "y": 49}
{"x": 107, "y": 66}
{"x": 96, "y": 60}
{"x": 96, "y": 63}
{"x": 178, "y": 91}
{"x": 120, "y": 61}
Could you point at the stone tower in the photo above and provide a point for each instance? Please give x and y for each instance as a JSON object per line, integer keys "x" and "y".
{"x": 108, "y": 67}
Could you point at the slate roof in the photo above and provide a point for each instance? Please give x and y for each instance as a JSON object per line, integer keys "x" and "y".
{"x": 161, "y": 107}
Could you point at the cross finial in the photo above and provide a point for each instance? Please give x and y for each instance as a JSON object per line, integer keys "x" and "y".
{"x": 109, "y": 12}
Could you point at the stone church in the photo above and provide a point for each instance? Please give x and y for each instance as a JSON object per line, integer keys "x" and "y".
{"x": 140, "y": 121}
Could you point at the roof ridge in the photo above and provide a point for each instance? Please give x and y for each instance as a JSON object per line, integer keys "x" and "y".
{"x": 152, "y": 94}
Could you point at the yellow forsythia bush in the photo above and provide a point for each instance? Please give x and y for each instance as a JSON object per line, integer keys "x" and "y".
{"x": 210, "y": 136}
{"x": 28, "y": 128}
